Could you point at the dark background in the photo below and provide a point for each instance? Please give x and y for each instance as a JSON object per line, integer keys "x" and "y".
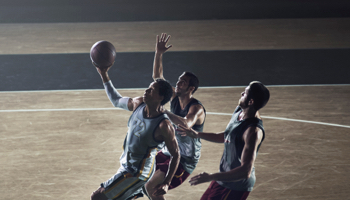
{"x": 214, "y": 68}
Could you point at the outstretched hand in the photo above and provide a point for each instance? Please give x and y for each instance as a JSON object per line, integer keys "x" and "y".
{"x": 184, "y": 131}
{"x": 200, "y": 178}
{"x": 161, "y": 43}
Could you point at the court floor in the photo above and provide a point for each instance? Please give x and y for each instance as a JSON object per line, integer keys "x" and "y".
{"x": 63, "y": 144}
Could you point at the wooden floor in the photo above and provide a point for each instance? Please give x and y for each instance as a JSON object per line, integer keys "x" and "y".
{"x": 63, "y": 144}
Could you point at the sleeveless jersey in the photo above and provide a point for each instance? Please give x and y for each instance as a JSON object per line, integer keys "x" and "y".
{"x": 140, "y": 146}
{"x": 234, "y": 144}
{"x": 190, "y": 148}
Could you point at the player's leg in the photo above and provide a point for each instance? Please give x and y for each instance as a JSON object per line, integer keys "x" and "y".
{"x": 157, "y": 178}
{"x": 99, "y": 195}
{"x": 217, "y": 192}
{"x": 121, "y": 186}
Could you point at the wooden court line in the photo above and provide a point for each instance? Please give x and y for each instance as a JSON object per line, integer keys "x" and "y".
{"x": 288, "y": 119}
{"x": 210, "y": 113}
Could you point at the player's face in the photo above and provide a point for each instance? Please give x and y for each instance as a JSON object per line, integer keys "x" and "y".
{"x": 243, "y": 101}
{"x": 151, "y": 94}
{"x": 182, "y": 85}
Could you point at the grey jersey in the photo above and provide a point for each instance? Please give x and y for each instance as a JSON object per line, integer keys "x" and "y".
{"x": 234, "y": 144}
{"x": 140, "y": 146}
{"x": 190, "y": 148}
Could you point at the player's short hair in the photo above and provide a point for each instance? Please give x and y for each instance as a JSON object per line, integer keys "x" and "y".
{"x": 194, "y": 81}
{"x": 165, "y": 90}
{"x": 259, "y": 93}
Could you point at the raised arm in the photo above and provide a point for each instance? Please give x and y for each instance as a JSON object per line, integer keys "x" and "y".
{"x": 168, "y": 134}
{"x": 161, "y": 48}
{"x": 252, "y": 138}
{"x": 117, "y": 99}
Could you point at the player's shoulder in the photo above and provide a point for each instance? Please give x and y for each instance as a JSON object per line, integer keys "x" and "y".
{"x": 166, "y": 126}
{"x": 197, "y": 109}
{"x": 136, "y": 102}
{"x": 253, "y": 132}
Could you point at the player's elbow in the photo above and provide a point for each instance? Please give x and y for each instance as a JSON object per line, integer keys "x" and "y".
{"x": 248, "y": 174}
{"x": 247, "y": 171}
{"x": 157, "y": 76}
{"x": 176, "y": 156}
{"x": 154, "y": 77}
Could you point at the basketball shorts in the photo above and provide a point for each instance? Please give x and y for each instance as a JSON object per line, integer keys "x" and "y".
{"x": 163, "y": 165}
{"x": 217, "y": 192}
{"x": 121, "y": 186}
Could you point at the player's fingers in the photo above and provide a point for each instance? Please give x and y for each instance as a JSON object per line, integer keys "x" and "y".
{"x": 195, "y": 178}
{"x": 159, "y": 191}
{"x": 183, "y": 128}
{"x": 183, "y": 134}
{"x": 193, "y": 182}
{"x": 167, "y": 38}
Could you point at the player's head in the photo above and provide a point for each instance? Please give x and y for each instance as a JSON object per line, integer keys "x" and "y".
{"x": 256, "y": 95}
{"x": 158, "y": 91}
{"x": 165, "y": 90}
{"x": 187, "y": 83}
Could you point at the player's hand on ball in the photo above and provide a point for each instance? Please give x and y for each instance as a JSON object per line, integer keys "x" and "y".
{"x": 101, "y": 70}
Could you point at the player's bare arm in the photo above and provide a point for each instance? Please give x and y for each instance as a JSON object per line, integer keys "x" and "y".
{"x": 161, "y": 48}
{"x": 252, "y": 138}
{"x": 132, "y": 103}
{"x": 211, "y": 137}
{"x": 166, "y": 132}
{"x": 195, "y": 116}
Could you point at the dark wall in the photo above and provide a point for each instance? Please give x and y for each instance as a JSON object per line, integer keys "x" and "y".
{"x": 214, "y": 68}
{"x": 38, "y": 11}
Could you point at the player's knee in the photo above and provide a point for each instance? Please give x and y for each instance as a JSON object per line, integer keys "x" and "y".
{"x": 98, "y": 195}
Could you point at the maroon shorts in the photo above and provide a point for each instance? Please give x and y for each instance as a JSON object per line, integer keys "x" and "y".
{"x": 163, "y": 164}
{"x": 217, "y": 192}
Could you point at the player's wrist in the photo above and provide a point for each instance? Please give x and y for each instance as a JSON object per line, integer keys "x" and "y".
{"x": 105, "y": 78}
{"x": 159, "y": 52}
{"x": 197, "y": 134}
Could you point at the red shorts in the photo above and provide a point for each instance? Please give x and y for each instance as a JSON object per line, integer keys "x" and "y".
{"x": 163, "y": 164}
{"x": 217, "y": 192}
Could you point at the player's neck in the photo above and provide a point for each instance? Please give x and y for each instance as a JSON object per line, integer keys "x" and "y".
{"x": 184, "y": 100}
{"x": 247, "y": 113}
{"x": 152, "y": 111}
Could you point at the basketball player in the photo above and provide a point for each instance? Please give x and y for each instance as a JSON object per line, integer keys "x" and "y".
{"x": 242, "y": 139}
{"x": 185, "y": 110}
{"x": 148, "y": 130}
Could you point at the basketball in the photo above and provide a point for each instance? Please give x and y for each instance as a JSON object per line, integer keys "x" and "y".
{"x": 102, "y": 54}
